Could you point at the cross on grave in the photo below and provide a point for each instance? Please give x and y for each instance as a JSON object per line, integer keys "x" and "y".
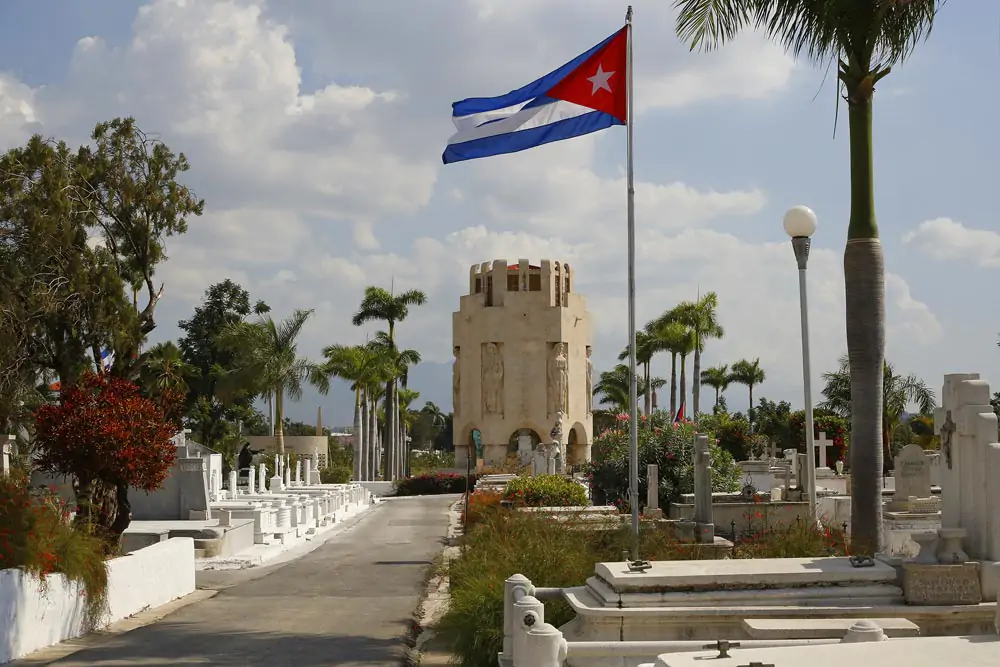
{"x": 946, "y": 430}
{"x": 823, "y": 444}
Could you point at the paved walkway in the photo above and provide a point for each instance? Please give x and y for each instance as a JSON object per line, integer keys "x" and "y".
{"x": 350, "y": 602}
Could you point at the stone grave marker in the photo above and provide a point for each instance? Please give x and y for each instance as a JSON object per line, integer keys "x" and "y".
{"x": 913, "y": 474}
{"x": 703, "y": 511}
{"x": 5, "y": 458}
{"x": 653, "y": 510}
{"x": 824, "y": 444}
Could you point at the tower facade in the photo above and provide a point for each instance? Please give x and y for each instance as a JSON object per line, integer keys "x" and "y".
{"x": 521, "y": 340}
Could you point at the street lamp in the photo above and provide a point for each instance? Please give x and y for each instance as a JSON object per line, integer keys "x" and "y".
{"x": 800, "y": 224}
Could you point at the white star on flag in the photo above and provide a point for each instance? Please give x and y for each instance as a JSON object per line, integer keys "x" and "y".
{"x": 600, "y": 80}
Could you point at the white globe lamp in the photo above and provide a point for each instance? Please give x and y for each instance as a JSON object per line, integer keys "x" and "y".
{"x": 800, "y": 222}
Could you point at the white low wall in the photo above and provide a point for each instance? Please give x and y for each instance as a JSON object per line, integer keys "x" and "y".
{"x": 33, "y": 616}
{"x": 377, "y": 489}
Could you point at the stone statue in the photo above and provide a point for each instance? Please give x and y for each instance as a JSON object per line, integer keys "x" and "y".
{"x": 493, "y": 379}
{"x": 315, "y": 461}
{"x": 477, "y": 439}
{"x": 590, "y": 382}
{"x": 557, "y": 430}
{"x": 456, "y": 381}
{"x": 558, "y": 379}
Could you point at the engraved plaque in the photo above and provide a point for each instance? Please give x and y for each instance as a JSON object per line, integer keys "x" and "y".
{"x": 942, "y": 584}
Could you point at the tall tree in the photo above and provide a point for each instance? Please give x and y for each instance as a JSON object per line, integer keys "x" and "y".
{"x": 646, "y": 345}
{"x": 215, "y": 401}
{"x": 612, "y": 387}
{"x": 267, "y": 356}
{"x": 361, "y": 366}
{"x": 867, "y": 38}
{"x": 676, "y": 339}
{"x": 749, "y": 374}
{"x": 129, "y": 180}
{"x": 62, "y": 297}
{"x": 898, "y": 391}
{"x": 701, "y": 318}
{"x": 381, "y": 305}
{"x": 164, "y": 369}
{"x": 718, "y": 378}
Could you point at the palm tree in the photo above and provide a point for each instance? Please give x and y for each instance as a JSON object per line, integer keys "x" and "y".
{"x": 267, "y": 357}
{"x": 381, "y": 305}
{"x": 164, "y": 368}
{"x": 646, "y": 345}
{"x": 898, "y": 391}
{"x": 718, "y": 378}
{"x": 405, "y": 398}
{"x": 867, "y": 38}
{"x": 613, "y": 387}
{"x": 750, "y": 374}
{"x": 675, "y": 339}
{"x": 399, "y": 363}
{"x": 701, "y": 318}
{"x": 358, "y": 365}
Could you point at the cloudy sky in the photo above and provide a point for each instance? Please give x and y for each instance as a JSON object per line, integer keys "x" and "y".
{"x": 314, "y": 129}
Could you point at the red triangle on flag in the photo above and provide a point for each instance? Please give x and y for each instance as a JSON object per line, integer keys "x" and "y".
{"x": 600, "y": 81}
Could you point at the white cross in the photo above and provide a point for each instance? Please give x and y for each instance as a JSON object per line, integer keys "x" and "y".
{"x": 822, "y": 443}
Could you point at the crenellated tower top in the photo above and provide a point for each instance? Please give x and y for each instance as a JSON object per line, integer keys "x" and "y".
{"x": 547, "y": 279}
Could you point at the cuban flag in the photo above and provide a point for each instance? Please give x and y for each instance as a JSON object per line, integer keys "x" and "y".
{"x": 107, "y": 360}
{"x": 679, "y": 417}
{"x": 585, "y": 95}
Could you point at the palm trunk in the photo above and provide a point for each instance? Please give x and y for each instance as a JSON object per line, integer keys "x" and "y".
{"x": 750, "y": 409}
{"x": 389, "y": 444}
{"x": 673, "y": 384}
{"x": 716, "y": 397}
{"x": 359, "y": 443}
{"x": 864, "y": 281}
{"x": 373, "y": 457}
{"x": 648, "y": 397}
{"x": 683, "y": 388}
{"x": 696, "y": 383}
{"x": 366, "y": 452}
{"x": 279, "y": 416}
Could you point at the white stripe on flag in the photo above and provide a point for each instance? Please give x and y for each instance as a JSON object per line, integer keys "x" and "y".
{"x": 524, "y": 119}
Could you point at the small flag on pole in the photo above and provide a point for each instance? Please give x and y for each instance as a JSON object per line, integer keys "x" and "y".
{"x": 585, "y": 95}
{"x": 679, "y": 417}
{"x": 107, "y": 360}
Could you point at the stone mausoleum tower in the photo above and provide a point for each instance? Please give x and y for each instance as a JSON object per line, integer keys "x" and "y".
{"x": 521, "y": 340}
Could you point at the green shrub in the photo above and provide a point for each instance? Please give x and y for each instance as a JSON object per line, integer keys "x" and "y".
{"x": 335, "y": 475}
{"x": 36, "y": 536}
{"x": 667, "y": 444}
{"x": 545, "y": 491}
{"x": 422, "y": 461}
{"x": 431, "y": 484}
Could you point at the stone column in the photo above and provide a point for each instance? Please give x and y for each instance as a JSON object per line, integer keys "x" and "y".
{"x": 262, "y": 478}
{"x": 233, "y": 483}
{"x": 703, "y": 512}
{"x": 653, "y": 510}
{"x": 5, "y": 458}
{"x": 251, "y": 478}
{"x": 298, "y": 473}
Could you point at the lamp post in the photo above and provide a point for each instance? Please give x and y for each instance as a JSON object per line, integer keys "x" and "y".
{"x": 800, "y": 224}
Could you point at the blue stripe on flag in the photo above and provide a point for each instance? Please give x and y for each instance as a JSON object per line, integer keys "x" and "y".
{"x": 513, "y": 142}
{"x": 475, "y": 105}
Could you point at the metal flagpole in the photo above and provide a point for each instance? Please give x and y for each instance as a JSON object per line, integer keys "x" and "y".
{"x": 633, "y": 463}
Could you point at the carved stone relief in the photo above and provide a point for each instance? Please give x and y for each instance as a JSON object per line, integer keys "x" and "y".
{"x": 558, "y": 372}
{"x": 493, "y": 374}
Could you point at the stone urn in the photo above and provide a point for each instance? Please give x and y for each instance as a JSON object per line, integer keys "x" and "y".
{"x": 839, "y": 465}
{"x": 927, "y": 541}
{"x": 949, "y": 548}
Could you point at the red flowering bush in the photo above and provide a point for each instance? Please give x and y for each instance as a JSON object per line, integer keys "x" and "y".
{"x": 836, "y": 429}
{"x": 108, "y": 437}
{"x": 35, "y": 536}
{"x": 432, "y": 484}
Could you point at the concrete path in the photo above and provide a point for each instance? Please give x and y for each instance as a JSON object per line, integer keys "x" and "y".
{"x": 349, "y": 602}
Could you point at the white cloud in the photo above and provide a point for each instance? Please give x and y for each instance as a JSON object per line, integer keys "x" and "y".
{"x": 315, "y": 191}
{"x": 947, "y": 239}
